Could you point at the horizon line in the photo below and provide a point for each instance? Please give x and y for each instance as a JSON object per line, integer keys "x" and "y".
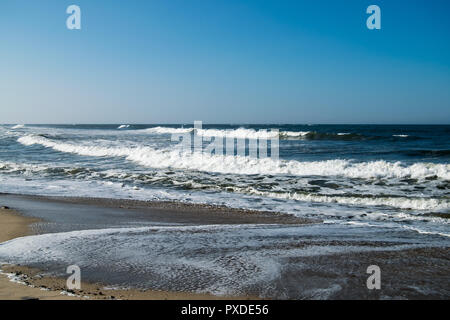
{"x": 236, "y": 123}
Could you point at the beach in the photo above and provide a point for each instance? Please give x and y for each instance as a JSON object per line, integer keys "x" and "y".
{"x": 13, "y": 225}
{"x": 257, "y": 150}
{"x": 331, "y": 269}
{"x": 25, "y": 283}
{"x": 28, "y": 283}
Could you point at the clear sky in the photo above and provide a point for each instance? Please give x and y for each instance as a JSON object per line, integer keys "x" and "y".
{"x": 225, "y": 61}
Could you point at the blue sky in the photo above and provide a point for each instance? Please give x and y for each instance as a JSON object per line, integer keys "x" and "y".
{"x": 225, "y": 61}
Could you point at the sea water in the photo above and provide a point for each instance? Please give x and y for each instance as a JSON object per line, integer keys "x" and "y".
{"x": 383, "y": 182}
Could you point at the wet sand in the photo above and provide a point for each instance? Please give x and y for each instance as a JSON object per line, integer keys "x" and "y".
{"x": 421, "y": 273}
{"x": 154, "y": 211}
{"x": 13, "y": 225}
{"x": 36, "y": 286}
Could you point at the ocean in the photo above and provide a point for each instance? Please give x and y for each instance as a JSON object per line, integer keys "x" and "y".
{"x": 386, "y": 183}
{"x": 378, "y": 174}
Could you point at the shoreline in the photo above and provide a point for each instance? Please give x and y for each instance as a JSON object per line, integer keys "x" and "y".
{"x": 172, "y": 211}
{"x": 14, "y": 225}
{"x": 412, "y": 273}
{"x": 25, "y": 283}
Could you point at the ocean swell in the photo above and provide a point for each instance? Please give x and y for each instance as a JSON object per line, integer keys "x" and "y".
{"x": 173, "y": 158}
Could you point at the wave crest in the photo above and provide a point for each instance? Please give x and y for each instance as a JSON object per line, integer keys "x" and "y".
{"x": 174, "y": 158}
{"x": 244, "y": 133}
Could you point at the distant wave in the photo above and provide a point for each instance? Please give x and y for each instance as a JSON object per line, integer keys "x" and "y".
{"x": 123, "y": 126}
{"x": 240, "y": 133}
{"x": 314, "y": 135}
{"x": 172, "y": 158}
{"x": 166, "y": 130}
{"x": 244, "y": 133}
{"x": 232, "y": 133}
{"x": 18, "y": 126}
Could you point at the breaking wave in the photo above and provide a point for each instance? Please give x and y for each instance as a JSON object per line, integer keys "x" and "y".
{"x": 244, "y": 133}
{"x": 173, "y": 158}
{"x": 351, "y": 197}
{"x": 166, "y": 130}
{"x": 363, "y": 200}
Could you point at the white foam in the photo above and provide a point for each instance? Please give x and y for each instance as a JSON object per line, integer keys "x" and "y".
{"x": 14, "y": 167}
{"x": 395, "y": 202}
{"x": 166, "y": 130}
{"x": 226, "y": 259}
{"x": 401, "y": 135}
{"x": 85, "y": 150}
{"x": 240, "y": 133}
{"x": 18, "y": 126}
{"x": 295, "y": 133}
{"x": 173, "y": 158}
{"x": 421, "y": 231}
{"x": 123, "y": 126}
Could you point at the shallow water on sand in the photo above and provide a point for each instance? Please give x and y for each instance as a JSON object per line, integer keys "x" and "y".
{"x": 130, "y": 248}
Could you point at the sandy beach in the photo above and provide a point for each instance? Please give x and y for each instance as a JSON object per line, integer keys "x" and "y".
{"x": 29, "y": 283}
{"x": 34, "y": 286}
{"x": 13, "y": 225}
{"x": 410, "y": 271}
{"x": 225, "y": 150}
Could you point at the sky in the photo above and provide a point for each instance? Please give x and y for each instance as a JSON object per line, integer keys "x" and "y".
{"x": 225, "y": 61}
